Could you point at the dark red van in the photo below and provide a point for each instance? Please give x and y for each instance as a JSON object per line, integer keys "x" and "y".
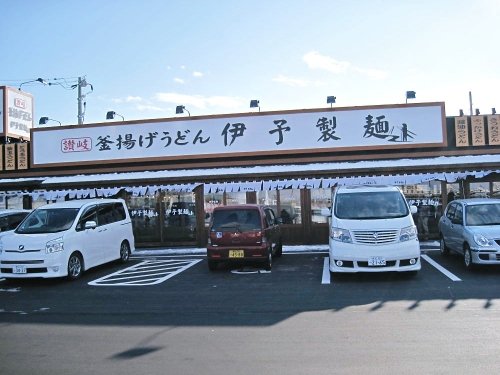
{"x": 248, "y": 232}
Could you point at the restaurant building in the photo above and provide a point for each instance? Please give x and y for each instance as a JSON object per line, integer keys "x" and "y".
{"x": 173, "y": 172}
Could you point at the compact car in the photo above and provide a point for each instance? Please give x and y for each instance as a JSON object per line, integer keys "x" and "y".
{"x": 248, "y": 232}
{"x": 471, "y": 228}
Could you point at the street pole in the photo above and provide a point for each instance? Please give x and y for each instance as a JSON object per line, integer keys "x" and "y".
{"x": 470, "y": 102}
{"x": 80, "y": 100}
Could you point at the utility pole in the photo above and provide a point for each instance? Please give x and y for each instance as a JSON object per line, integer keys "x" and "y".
{"x": 80, "y": 102}
{"x": 470, "y": 102}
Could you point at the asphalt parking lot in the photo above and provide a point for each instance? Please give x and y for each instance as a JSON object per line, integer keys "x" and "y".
{"x": 168, "y": 313}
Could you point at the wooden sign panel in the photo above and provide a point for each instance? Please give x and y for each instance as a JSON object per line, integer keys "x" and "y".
{"x": 494, "y": 130}
{"x": 477, "y": 126}
{"x": 10, "y": 157}
{"x": 461, "y": 132}
{"x": 22, "y": 155}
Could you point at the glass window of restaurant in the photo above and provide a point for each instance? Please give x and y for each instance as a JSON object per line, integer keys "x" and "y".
{"x": 145, "y": 215}
{"x": 479, "y": 190}
{"x": 320, "y": 198}
{"x": 14, "y": 202}
{"x": 427, "y": 198}
{"x": 285, "y": 203}
{"x": 495, "y": 189}
{"x": 212, "y": 200}
{"x": 179, "y": 216}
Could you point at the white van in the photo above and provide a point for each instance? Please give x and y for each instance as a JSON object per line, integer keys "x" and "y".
{"x": 66, "y": 238}
{"x": 372, "y": 230}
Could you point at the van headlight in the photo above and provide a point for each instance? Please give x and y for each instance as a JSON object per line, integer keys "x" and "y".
{"x": 480, "y": 240}
{"x": 339, "y": 234}
{"x": 54, "y": 246}
{"x": 408, "y": 233}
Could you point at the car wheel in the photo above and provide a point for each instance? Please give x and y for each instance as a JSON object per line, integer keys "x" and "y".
{"x": 443, "y": 249}
{"x": 279, "y": 249}
{"x": 124, "y": 252}
{"x": 212, "y": 265}
{"x": 268, "y": 263}
{"x": 75, "y": 266}
{"x": 469, "y": 264}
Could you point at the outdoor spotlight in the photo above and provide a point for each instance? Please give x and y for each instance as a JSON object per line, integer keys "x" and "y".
{"x": 180, "y": 109}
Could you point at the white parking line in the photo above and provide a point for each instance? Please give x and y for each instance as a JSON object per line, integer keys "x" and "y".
{"x": 326, "y": 271}
{"x": 148, "y": 272}
{"x": 440, "y": 268}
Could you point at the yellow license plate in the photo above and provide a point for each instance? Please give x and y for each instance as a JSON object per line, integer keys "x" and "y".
{"x": 236, "y": 254}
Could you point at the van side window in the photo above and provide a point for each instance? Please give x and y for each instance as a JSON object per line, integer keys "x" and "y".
{"x": 90, "y": 214}
{"x": 459, "y": 217}
{"x": 119, "y": 212}
{"x": 270, "y": 218}
{"x": 451, "y": 211}
{"x": 105, "y": 214}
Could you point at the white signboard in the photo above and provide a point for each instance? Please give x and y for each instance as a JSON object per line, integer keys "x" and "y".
{"x": 2, "y": 130}
{"x": 19, "y": 114}
{"x": 402, "y": 126}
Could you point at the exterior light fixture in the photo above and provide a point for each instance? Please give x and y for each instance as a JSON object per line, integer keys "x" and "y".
{"x": 110, "y": 115}
{"x": 41, "y": 80}
{"x": 461, "y": 112}
{"x": 493, "y": 111}
{"x": 44, "y": 120}
{"x": 254, "y": 104}
{"x": 410, "y": 95}
{"x": 180, "y": 109}
{"x": 477, "y": 112}
{"x": 331, "y": 100}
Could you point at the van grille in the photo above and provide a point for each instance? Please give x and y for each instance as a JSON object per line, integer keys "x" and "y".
{"x": 375, "y": 237}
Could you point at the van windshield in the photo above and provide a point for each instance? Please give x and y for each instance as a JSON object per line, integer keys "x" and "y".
{"x": 240, "y": 220}
{"x": 370, "y": 205}
{"x": 48, "y": 220}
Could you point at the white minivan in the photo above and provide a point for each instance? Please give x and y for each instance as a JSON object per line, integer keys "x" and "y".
{"x": 66, "y": 238}
{"x": 372, "y": 230}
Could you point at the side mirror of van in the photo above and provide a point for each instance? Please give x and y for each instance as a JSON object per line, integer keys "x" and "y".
{"x": 91, "y": 224}
{"x": 326, "y": 212}
{"x": 413, "y": 209}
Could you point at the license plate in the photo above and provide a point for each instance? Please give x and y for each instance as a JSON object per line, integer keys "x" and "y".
{"x": 236, "y": 253}
{"x": 376, "y": 261}
{"x": 19, "y": 269}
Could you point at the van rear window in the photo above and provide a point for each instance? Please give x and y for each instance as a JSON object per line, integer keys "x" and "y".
{"x": 370, "y": 205}
{"x": 245, "y": 219}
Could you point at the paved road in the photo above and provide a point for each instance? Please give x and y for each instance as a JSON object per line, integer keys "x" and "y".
{"x": 241, "y": 321}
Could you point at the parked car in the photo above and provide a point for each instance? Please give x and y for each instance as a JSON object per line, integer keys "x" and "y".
{"x": 10, "y": 218}
{"x": 372, "y": 230}
{"x": 471, "y": 228}
{"x": 247, "y": 232}
{"x": 66, "y": 238}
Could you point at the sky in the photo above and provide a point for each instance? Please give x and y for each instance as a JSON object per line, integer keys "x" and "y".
{"x": 141, "y": 59}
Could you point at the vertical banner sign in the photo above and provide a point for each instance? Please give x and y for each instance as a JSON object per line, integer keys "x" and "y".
{"x": 1, "y": 157}
{"x": 10, "y": 157}
{"x": 461, "y": 132}
{"x": 2, "y": 113}
{"x": 494, "y": 130}
{"x": 477, "y": 126}
{"x": 22, "y": 155}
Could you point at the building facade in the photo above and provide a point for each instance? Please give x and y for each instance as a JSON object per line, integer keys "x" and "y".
{"x": 173, "y": 172}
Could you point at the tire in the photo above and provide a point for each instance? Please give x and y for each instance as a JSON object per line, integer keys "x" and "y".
{"x": 75, "y": 266}
{"x": 279, "y": 250}
{"x": 212, "y": 265}
{"x": 468, "y": 263}
{"x": 268, "y": 263}
{"x": 124, "y": 252}
{"x": 443, "y": 249}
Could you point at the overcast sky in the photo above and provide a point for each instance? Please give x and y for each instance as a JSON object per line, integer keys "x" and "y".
{"x": 143, "y": 58}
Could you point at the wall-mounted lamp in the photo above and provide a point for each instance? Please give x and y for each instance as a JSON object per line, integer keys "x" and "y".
{"x": 331, "y": 100}
{"x": 41, "y": 80}
{"x": 461, "y": 113}
{"x": 493, "y": 111}
{"x": 44, "y": 120}
{"x": 477, "y": 112}
{"x": 410, "y": 95}
{"x": 180, "y": 109}
{"x": 110, "y": 115}
{"x": 254, "y": 104}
